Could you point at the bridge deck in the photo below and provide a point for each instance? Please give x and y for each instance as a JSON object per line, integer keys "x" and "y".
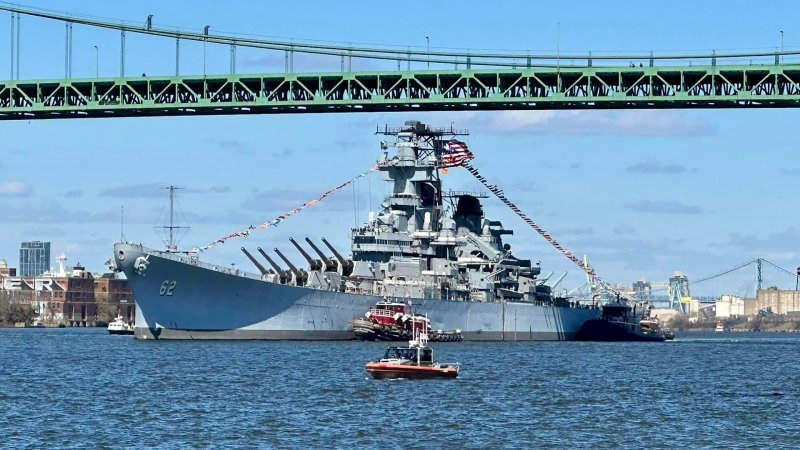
{"x": 740, "y": 86}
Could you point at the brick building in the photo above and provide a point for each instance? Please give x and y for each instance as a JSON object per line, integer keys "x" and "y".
{"x": 114, "y": 296}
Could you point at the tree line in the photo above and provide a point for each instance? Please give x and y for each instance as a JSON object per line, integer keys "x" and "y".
{"x": 12, "y": 312}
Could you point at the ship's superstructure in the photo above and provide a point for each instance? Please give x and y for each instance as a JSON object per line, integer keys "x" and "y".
{"x": 427, "y": 243}
{"x": 426, "y": 246}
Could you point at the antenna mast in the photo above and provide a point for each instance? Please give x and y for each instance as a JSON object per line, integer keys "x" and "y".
{"x": 171, "y": 244}
{"x": 171, "y": 214}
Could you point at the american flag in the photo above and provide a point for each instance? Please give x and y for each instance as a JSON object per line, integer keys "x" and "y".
{"x": 456, "y": 154}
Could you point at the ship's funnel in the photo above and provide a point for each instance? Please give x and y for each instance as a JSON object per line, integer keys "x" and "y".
{"x": 300, "y": 276}
{"x": 345, "y": 264}
{"x": 256, "y": 263}
{"x": 330, "y": 264}
{"x": 312, "y": 263}
{"x": 284, "y": 274}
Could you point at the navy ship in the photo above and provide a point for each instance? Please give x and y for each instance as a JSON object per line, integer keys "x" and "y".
{"x": 426, "y": 247}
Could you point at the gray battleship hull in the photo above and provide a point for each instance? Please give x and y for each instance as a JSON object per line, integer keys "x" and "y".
{"x": 178, "y": 297}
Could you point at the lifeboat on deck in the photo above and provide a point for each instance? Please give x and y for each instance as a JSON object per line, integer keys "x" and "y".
{"x": 412, "y": 362}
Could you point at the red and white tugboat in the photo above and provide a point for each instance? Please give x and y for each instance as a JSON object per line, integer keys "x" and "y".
{"x": 412, "y": 362}
{"x": 389, "y": 321}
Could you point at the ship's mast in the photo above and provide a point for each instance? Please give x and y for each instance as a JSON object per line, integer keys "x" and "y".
{"x": 171, "y": 214}
{"x": 428, "y": 144}
{"x": 171, "y": 244}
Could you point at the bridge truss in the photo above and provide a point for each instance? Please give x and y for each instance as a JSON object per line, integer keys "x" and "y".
{"x": 428, "y": 90}
{"x": 457, "y": 81}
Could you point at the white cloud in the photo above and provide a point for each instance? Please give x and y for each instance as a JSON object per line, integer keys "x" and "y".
{"x": 15, "y": 189}
{"x": 601, "y": 122}
{"x": 662, "y": 207}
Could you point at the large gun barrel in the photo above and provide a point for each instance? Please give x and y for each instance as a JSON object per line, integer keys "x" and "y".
{"x": 256, "y": 263}
{"x": 346, "y": 265}
{"x": 283, "y": 273}
{"x": 300, "y": 276}
{"x": 312, "y": 264}
{"x": 330, "y": 266}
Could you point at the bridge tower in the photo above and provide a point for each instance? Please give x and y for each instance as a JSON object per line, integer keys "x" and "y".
{"x": 678, "y": 292}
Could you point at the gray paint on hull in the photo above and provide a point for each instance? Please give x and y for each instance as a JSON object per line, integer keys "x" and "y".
{"x": 211, "y": 304}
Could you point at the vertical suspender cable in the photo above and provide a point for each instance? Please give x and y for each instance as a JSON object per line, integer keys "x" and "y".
{"x": 18, "y": 25}
{"x": 177, "y": 56}
{"x": 70, "y": 50}
{"x": 122, "y": 54}
{"x": 11, "y": 77}
{"x": 66, "y": 50}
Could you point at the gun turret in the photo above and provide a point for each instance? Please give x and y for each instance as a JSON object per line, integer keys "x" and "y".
{"x": 345, "y": 265}
{"x": 312, "y": 263}
{"x": 256, "y": 263}
{"x": 300, "y": 276}
{"x": 285, "y": 275}
{"x": 330, "y": 264}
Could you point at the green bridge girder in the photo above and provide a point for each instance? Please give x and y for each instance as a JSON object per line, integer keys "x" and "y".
{"x": 732, "y": 86}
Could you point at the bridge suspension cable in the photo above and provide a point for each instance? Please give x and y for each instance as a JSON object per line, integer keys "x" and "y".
{"x": 711, "y": 277}
{"x": 788, "y": 272}
{"x": 494, "y": 59}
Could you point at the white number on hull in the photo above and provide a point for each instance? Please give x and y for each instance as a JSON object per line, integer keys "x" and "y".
{"x": 167, "y": 287}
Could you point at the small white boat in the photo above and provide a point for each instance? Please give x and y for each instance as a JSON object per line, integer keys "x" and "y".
{"x": 720, "y": 328}
{"x": 119, "y": 326}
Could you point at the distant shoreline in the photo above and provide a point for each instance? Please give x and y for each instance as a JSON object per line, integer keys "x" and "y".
{"x": 773, "y": 324}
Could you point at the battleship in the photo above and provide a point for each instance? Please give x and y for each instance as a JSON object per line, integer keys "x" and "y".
{"x": 426, "y": 247}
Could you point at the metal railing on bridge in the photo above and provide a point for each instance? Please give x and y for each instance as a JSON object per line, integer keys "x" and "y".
{"x": 457, "y": 81}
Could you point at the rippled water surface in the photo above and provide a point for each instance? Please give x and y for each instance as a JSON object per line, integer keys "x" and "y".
{"x": 83, "y": 388}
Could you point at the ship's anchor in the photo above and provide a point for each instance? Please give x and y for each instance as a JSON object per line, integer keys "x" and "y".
{"x": 140, "y": 265}
{"x": 113, "y": 266}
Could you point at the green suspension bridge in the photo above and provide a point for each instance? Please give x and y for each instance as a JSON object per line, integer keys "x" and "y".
{"x": 413, "y": 80}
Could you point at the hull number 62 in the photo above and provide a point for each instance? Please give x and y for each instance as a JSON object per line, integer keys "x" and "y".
{"x": 167, "y": 287}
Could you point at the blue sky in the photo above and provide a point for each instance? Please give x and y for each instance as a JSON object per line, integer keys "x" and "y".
{"x": 643, "y": 193}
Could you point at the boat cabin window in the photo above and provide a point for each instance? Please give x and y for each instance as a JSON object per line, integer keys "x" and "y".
{"x": 400, "y": 353}
{"x": 426, "y": 356}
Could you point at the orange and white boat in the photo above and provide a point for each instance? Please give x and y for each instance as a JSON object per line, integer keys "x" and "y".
{"x": 414, "y": 362}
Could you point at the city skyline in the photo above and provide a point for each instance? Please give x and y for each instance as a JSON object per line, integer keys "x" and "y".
{"x": 643, "y": 193}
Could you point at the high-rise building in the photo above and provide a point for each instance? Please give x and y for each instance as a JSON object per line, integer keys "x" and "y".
{"x": 642, "y": 289}
{"x": 679, "y": 297}
{"x": 34, "y": 258}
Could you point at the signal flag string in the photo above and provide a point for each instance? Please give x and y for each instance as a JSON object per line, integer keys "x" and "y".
{"x": 458, "y": 154}
{"x": 274, "y": 222}
{"x": 455, "y": 154}
{"x": 499, "y": 194}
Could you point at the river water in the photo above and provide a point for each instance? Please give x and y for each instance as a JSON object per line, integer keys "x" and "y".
{"x": 63, "y": 388}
